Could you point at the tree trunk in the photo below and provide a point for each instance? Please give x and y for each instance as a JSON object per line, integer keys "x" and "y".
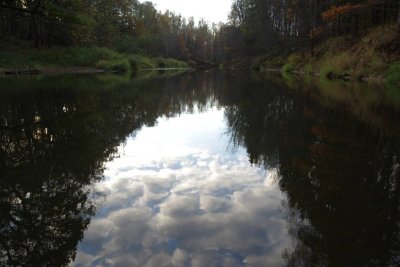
{"x": 398, "y": 21}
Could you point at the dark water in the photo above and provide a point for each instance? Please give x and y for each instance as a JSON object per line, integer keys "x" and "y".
{"x": 201, "y": 169}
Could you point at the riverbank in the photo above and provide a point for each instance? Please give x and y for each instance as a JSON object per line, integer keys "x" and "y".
{"x": 373, "y": 57}
{"x": 17, "y": 58}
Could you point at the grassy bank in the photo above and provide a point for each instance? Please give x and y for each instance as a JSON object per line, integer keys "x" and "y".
{"x": 21, "y": 57}
{"x": 373, "y": 56}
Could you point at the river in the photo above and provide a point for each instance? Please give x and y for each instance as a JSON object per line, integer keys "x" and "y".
{"x": 197, "y": 169}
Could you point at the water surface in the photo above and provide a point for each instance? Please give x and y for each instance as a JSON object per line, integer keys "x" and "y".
{"x": 200, "y": 169}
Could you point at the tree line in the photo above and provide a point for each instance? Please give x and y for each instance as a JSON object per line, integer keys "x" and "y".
{"x": 254, "y": 26}
{"x": 267, "y": 24}
{"x": 125, "y": 25}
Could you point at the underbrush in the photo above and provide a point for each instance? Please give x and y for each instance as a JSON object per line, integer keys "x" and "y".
{"x": 169, "y": 63}
{"x": 363, "y": 57}
{"x": 392, "y": 81}
{"x": 65, "y": 57}
{"x": 292, "y": 64}
{"x": 145, "y": 63}
{"x": 25, "y": 57}
{"x": 121, "y": 65}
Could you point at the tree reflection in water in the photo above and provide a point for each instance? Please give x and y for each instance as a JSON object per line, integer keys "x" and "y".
{"x": 340, "y": 176}
{"x": 55, "y": 136}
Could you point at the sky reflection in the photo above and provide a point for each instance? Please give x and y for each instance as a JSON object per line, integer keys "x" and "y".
{"x": 180, "y": 195}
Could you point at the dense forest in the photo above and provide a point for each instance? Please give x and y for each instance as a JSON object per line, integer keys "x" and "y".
{"x": 129, "y": 26}
{"x": 264, "y": 25}
{"x": 126, "y": 26}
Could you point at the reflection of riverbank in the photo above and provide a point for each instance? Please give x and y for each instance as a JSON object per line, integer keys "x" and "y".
{"x": 370, "y": 103}
{"x": 340, "y": 174}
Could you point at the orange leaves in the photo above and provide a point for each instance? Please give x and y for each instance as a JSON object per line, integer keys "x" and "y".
{"x": 315, "y": 32}
{"x": 336, "y": 11}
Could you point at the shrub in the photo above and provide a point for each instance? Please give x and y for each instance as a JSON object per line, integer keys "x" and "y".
{"x": 114, "y": 65}
{"x": 169, "y": 63}
{"x": 142, "y": 62}
{"x": 308, "y": 69}
{"x": 392, "y": 79}
{"x": 337, "y": 65}
{"x": 133, "y": 63}
{"x": 288, "y": 67}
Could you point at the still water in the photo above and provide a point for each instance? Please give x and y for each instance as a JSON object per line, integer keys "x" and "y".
{"x": 198, "y": 169}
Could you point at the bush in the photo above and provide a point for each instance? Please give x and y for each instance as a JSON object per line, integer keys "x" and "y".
{"x": 142, "y": 62}
{"x": 129, "y": 45}
{"x": 114, "y": 65}
{"x": 133, "y": 63}
{"x": 288, "y": 67}
{"x": 392, "y": 79}
{"x": 104, "y": 58}
{"x": 169, "y": 63}
{"x": 308, "y": 69}
{"x": 73, "y": 56}
{"x": 292, "y": 62}
{"x": 338, "y": 65}
{"x": 10, "y": 59}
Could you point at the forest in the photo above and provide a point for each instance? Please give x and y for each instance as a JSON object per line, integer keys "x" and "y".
{"x": 299, "y": 23}
{"x": 254, "y": 27}
{"x": 127, "y": 26}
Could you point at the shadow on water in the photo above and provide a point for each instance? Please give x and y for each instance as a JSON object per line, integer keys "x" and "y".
{"x": 341, "y": 177}
{"x": 338, "y": 169}
{"x": 371, "y": 103}
{"x": 56, "y": 133}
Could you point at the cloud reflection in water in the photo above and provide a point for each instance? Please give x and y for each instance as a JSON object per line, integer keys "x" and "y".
{"x": 180, "y": 196}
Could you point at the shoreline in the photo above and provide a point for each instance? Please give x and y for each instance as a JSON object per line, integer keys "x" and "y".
{"x": 70, "y": 70}
{"x": 344, "y": 77}
{"x": 373, "y": 56}
{"x": 49, "y": 71}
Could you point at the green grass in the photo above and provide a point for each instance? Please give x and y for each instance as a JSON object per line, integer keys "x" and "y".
{"x": 84, "y": 57}
{"x": 293, "y": 62}
{"x": 145, "y": 63}
{"x": 24, "y": 57}
{"x": 392, "y": 82}
{"x": 169, "y": 63}
{"x": 11, "y": 60}
{"x": 142, "y": 62}
{"x": 308, "y": 69}
{"x": 121, "y": 65}
{"x": 347, "y": 57}
{"x": 336, "y": 65}
{"x": 64, "y": 57}
{"x": 288, "y": 67}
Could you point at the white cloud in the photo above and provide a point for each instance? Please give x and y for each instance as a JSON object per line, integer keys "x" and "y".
{"x": 210, "y": 10}
{"x": 197, "y": 206}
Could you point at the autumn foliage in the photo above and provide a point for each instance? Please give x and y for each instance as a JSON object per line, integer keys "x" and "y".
{"x": 333, "y": 12}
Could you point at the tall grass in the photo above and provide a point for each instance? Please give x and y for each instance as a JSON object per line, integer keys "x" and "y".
{"x": 292, "y": 64}
{"x": 308, "y": 69}
{"x": 144, "y": 63}
{"x": 392, "y": 82}
{"x": 65, "y": 57}
{"x": 336, "y": 65}
{"x": 288, "y": 67}
{"x": 121, "y": 65}
{"x": 102, "y": 58}
{"x": 169, "y": 63}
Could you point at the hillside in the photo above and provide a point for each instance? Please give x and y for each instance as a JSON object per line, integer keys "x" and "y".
{"x": 373, "y": 56}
